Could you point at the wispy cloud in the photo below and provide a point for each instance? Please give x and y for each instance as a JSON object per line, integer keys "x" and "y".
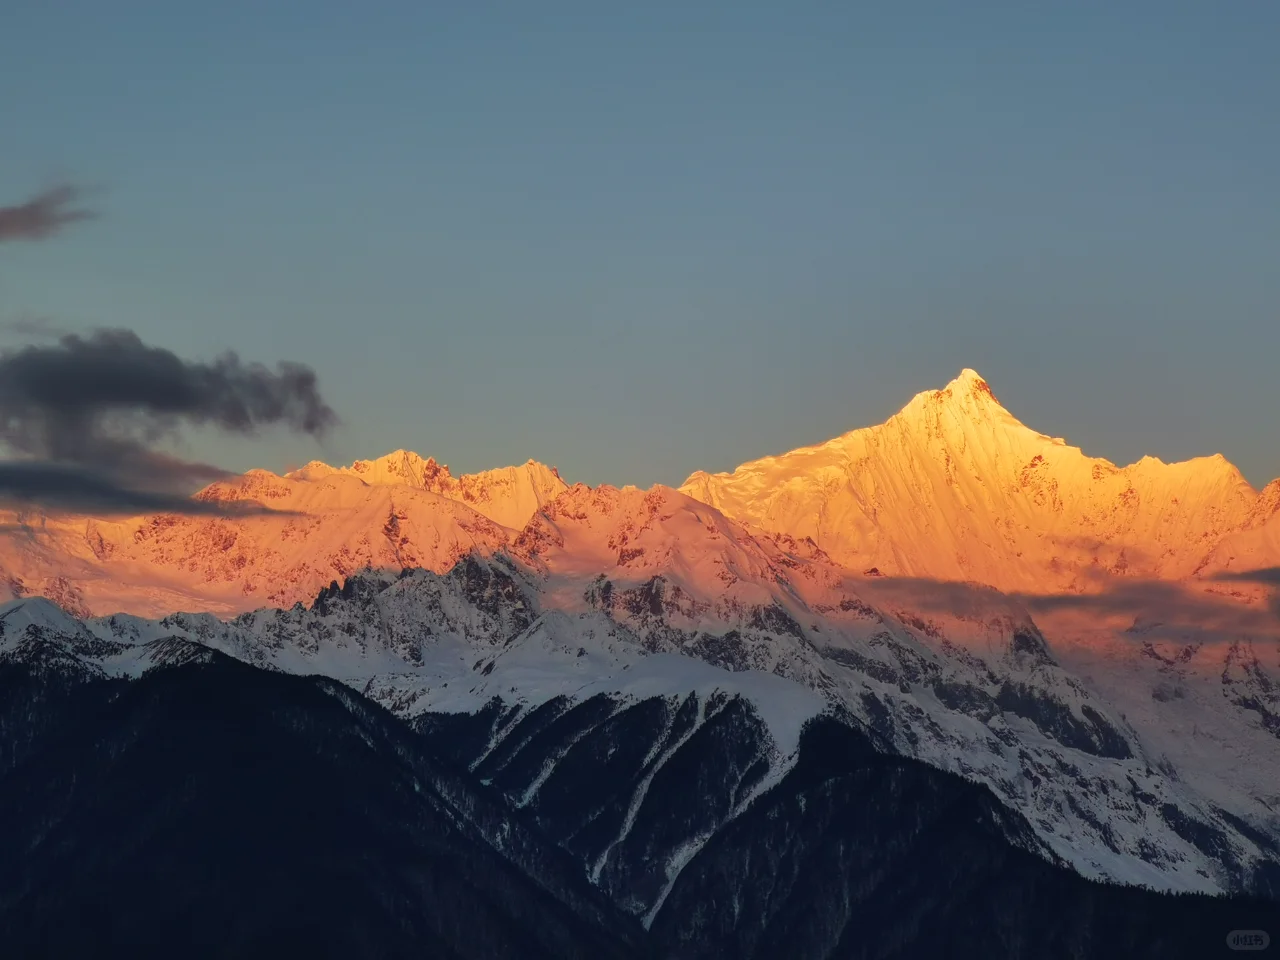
{"x": 43, "y": 215}
{"x": 1261, "y": 575}
{"x": 60, "y": 487}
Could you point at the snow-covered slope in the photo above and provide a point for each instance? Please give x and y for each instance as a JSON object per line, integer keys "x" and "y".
{"x": 321, "y": 530}
{"x": 954, "y": 487}
{"x": 1254, "y": 547}
{"x": 394, "y": 512}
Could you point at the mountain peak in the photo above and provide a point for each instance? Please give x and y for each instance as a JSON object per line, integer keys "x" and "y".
{"x": 968, "y": 377}
{"x": 968, "y": 398}
{"x": 17, "y": 615}
{"x": 969, "y": 385}
{"x": 403, "y": 466}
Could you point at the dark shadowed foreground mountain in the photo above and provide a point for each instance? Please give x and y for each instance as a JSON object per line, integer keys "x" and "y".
{"x": 860, "y": 854}
{"x": 855, "y": 852}
{"x": 214, "y": 809}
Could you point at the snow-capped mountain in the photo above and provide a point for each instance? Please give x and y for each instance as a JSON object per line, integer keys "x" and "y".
{"x": 1121, "y": 696}
{"x": 953, "y": 487}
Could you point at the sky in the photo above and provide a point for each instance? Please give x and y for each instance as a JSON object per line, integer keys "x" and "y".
{"x": 637, "y": 240}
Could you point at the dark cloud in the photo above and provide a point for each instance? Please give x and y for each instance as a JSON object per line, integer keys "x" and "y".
{"x": 90, "y": 410}
{"x": 43, "y": 215}
{"x": 55, "y": 392}
{"x": 58, "y": 487}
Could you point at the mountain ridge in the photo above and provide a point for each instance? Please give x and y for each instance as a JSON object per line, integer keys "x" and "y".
{"x": 507, "y": 495}
{"x": 953, "y": 487}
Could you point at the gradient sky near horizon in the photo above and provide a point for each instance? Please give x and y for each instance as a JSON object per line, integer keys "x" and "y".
{"x": 638, "y": 240}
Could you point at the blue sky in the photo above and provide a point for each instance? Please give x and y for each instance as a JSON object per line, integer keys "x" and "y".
{"x": 636, "y": 240}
